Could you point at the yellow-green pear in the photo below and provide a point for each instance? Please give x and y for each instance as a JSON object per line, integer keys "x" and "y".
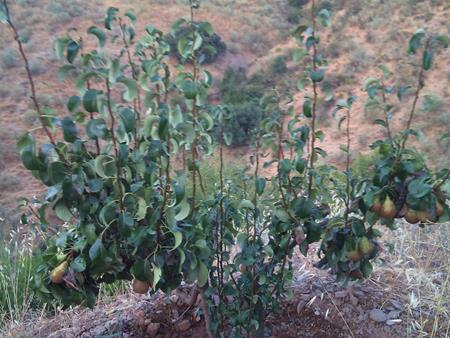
{"x": 140, "y": 286}
{"x": 411, "y": 216}
{"x": 388, "y": 209}
{"x": 57, "y": 274}
{"x": 365, "y": 246}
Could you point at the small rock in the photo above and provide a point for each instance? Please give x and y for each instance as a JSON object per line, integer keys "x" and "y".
{"x": 152, "y": 329}
{"x": 378, "y": 315}
{"x": 354, "y": 300}
{"x": 340, "y": 294}
{"x": 317, "y": 313}
{"x": 393, "y": 314}
{"x": 393, "y": 321}
{"x": 397, "y": 305}
{"x": 184, "y": 325}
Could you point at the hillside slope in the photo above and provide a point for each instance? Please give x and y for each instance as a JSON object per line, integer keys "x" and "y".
{"x": 361, "y": 38}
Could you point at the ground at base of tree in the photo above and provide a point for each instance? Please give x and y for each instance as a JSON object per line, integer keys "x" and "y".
{"x": 320, "y": 307}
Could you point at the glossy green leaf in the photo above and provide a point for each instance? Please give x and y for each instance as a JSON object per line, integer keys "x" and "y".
{"x": 202, "y": 276}
{"x": 260, "y": 185}
{"x": 184, "y": 210}
{"x": 96, "y": 128}
{"x": 415, "y": 41}
{"x": 157, "y": 273}
{"x": 178, "y": 239}
{"x": 62, "y": 212}
{"x": 131, "y": 88}
{"x": 69, "y": 129}
{"x": 101, "y": 36}
{"x": 72, "y": 51}
{"x": 427, "y": 61}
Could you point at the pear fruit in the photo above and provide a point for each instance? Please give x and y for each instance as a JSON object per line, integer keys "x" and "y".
{"x": 388, "y": 209}
{"x": 140, "y": 286}
{"x": 243, "y": 268}
{"x": 365, "y": 246}
{"x": 411, "y": 216}
{"x": 423, "y": 216}
{"x": 57, "y": 274}
{"x": 376, "y": 206}
{"x": 353, "y": 255}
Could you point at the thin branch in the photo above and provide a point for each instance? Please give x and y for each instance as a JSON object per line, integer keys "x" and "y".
{"x": 314, "y": 105}
{"x": 137, "y": 101}
{"x": 347, "y": 168}
{"x": 116, "y": 150}
{"x": 420, "y": 85}
{"x": 386, "y": 113}
{"x": 30, "y": 80}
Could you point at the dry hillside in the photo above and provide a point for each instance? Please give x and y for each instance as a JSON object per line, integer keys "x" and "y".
{"x": 363, "y": 35}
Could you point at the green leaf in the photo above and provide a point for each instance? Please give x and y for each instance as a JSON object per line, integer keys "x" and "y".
{"x": 204, "y": 116}
{"x": 307, "y": 108}
{"x": 246, "y": 204}
{"x": 72, "y": 51}
{"x": 366, "y": 268}
{"x": 78, "y": 264}
{"x": 228, "y": 138}
{"x": 110, "y": 17}
{"x": 175, "y": 116}
{"x": 62, "y": 212}
{"x": 157, "y": 273}
{"x": 94, "y": 250}
{"x": 443, "y": 40}
{"x": 178, "y": 239}
{"x": 142, "y": 209}
{"x": 57, "y": 172}
{"x": 282, "y": 215}
{"x": 69, "y": 130}
{"x": 128, "y": 119}
{"x": 202, "y": 276}
{"x": 131, "y": 88}
{"x": 427, "y": 61}
{"x": 3, "y": 15}
{"x": 419, "y": 187}
{"x": 114, "y": 70}
{"x": 131, "y": 16}
{"x": 415, "y": 41}
{"x": 96, "y": 128}
{"x": 260, "y": 184}
{"x": 73, "y": 103}
{"x": 324, "y": 17}
{"x": 317, "y": 75}
{"x": 185, "y": 208}
{"x": 101, "y": 36}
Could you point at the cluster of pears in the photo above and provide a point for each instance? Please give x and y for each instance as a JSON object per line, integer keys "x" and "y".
{"x": 415, "y": 216}
{"x": 387, "y": 209}
{"x": 364, "y": 248}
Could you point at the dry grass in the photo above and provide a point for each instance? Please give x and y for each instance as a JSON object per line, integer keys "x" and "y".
{"x": 420, "y": 264}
